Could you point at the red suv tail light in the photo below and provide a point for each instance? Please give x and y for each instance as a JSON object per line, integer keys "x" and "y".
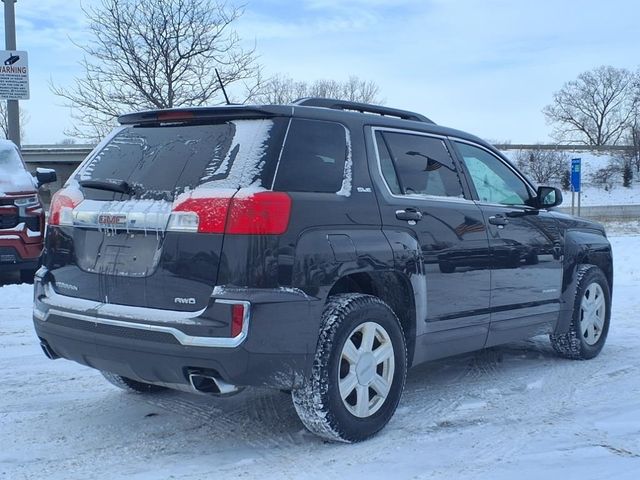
{"x": 255, "y": 213}
{"x": 237, "y": 319}
{"x": 62, "y": 204}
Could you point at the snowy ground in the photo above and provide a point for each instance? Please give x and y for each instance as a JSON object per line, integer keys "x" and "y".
{"x": 595, "y": 196}
{"x": 515, "y": 411}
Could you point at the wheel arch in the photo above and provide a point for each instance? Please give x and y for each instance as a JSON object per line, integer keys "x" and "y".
{"x": 581, "y": 248}
{"x": 391, "y": 287}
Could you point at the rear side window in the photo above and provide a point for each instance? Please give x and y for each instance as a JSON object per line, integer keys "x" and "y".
{"x": 423, "y": 166}
{"x": 314, "y": 158}
{"x": 162, "y": 162}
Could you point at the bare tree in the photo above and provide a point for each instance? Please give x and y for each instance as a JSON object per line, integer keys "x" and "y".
{"x": 635, "y": 143}
{"x": 594, "y": 109}
{"x": 156, "y": 54}
{"x": 282, "y": 89}
{"x": 632, "y": 136}
{"x": 606, "y": 176}
{"x": 542, "y": 165}
{"x": 4, "y": 120}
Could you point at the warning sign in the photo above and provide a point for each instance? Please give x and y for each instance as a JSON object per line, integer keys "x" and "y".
{"x": 14, "y": 75}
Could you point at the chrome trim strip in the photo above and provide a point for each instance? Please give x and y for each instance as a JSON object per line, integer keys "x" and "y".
{"x": 156, "y": 314}
{"x": 128, "y": 215}
{"x": 183, "y": 338}
{"x": 54, "y": 299}
{"x": 406, "y": 130}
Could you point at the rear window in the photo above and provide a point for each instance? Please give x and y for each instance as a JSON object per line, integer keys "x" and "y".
{"x": 163, "y": 162}
{"x": 315, "y": 158}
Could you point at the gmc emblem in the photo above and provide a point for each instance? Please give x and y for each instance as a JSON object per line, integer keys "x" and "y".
{"x": 106, "y": 219}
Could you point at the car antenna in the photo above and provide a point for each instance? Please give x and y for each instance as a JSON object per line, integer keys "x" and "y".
{"x": 222, "y": 87}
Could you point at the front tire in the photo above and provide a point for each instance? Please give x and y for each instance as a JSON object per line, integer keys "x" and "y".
{"x": 358, "y": 373}
{"x": 131, "y": 386}
{"x": 591, "y": 316}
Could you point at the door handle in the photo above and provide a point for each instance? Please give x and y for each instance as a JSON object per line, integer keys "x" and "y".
{"x": 499, "y": 220}
{"x": 409, "y": 214}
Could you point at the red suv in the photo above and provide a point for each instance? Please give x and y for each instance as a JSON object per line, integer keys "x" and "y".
{"x": 21, "y": 213}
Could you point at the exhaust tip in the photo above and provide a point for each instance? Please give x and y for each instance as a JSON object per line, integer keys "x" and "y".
{"x": 48, "y": 351}
{"x": 206, "y": 383}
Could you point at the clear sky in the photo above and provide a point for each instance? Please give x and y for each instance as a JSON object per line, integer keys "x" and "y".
{"x": 487, "y": 67}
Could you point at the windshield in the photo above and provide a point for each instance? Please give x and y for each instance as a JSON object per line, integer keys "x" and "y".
{"x": 163, "y": 162}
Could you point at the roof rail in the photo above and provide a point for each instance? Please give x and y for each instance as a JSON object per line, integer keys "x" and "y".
{"x": 361, "y": 107}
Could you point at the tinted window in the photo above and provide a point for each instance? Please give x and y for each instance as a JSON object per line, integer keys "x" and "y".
{"x": 164, "y": 161}
{"x": 313, "y": 158}
{"x": 423, "y": 165}
{"x": 386, "y": 165}
{"x": 494, "y": 181}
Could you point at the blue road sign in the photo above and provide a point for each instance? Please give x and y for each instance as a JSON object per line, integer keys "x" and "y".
{"x": 576, "y": 164}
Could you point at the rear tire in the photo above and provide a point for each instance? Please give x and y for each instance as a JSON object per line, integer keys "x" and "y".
{"x": 129, "y": 385}
{"x": 589, "y": 327}
{"x": 358, "y": 373}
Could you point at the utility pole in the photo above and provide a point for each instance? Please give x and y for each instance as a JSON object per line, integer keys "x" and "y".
{"x": 13, "y": 108}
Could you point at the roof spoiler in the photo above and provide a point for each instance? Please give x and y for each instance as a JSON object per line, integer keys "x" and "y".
{"x": 195, "y": 114}
{"x": 362, "y": 108}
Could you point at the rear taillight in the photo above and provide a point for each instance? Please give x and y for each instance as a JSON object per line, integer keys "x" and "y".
{"x": 62, "y": 204}
{"x": 245, "y": 213}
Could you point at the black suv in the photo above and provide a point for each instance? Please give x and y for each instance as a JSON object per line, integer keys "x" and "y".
{"x": 322, "y": 247}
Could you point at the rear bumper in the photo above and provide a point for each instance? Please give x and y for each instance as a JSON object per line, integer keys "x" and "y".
{"x": 275, "y": 349}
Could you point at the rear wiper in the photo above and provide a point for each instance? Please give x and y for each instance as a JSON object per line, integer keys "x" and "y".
{"x": 110, "y": 185}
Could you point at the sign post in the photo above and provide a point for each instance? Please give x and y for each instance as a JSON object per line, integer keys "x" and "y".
{"x": 576, "y": 167}
{"x": 13, "y": 108}
{"x": 14, "y": 75}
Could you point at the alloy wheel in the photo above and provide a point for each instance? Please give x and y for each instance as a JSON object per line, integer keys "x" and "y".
{"x": 365, "y": 370}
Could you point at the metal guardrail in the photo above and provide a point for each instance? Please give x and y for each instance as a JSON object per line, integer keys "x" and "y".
{"x": 610, "y": 212}
{"x": 578, "y": 148}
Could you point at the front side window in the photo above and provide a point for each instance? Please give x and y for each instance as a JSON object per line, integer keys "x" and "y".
{"x": 423, "y": 165}
{"x": 494, "y": 181}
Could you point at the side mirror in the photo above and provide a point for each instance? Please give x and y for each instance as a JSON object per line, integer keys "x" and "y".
{"x": 548, "y": 197}
{"x": 45, "y": 175}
